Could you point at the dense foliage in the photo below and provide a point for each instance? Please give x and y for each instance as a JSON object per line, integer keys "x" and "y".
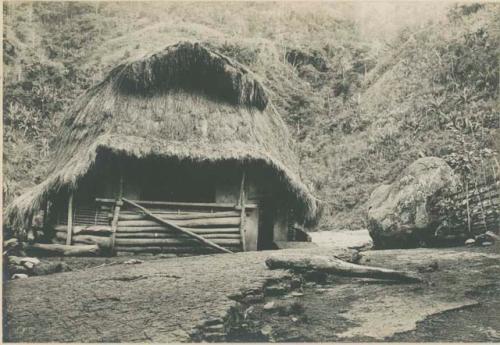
{"x": 360, "y": 106}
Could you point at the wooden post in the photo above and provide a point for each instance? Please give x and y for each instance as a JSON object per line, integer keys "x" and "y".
{"x": 30, "y": 234}
{"x": 242, "y": 214}
{"x": 481, "y": 204}
{"x": 467, "y": 204}
{"x": 70, "y": 219}
{"x": 174, "y": 226}
{"x": 45, "y": 214}
{"x": 116, "y": 215}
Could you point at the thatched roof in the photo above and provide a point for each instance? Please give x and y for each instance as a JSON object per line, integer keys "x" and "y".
{"x": 185, "y": 102}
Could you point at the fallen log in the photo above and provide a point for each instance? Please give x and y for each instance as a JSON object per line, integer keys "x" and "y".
{"x": 64, "y": 250}
{"x": 333, "y": 265}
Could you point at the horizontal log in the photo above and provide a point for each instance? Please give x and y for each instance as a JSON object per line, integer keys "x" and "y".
{"x": 181, "y": 204}
{"x": 65, "y": 250}
{"x": 164, "y": 229}
{"x": 157, "y": 250}
{"x": 172, "y": 235}
{"x": 228, "y": 221}
{"x": 168, "y": 241}
{"x": 146, "y": 235}
{"x": 187, "y": 216}
{"x": 86, "y": 229}
{"x": 101, "y": 241}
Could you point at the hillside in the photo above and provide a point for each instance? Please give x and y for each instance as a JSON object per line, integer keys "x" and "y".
{"x": 361, "y": 99}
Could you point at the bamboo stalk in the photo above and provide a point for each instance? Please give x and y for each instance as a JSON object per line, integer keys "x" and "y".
{"x": 176, "y": 227}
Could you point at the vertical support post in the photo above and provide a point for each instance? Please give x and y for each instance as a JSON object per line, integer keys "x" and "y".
{"x": 483, "y": 212}
{"x": 45, "y": 214}
{"x": 243, "y": 213}
{"x": 30, "y": 233}
{"x": 70, "y": 219}
{"x": 116, "y": 214}
{"x": 467, "y": 203}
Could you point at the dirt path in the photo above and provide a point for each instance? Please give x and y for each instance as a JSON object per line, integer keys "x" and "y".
{"x": 236, "y": 298}
{"x": 161, "y": 300}
{"x": 459, "y": 302}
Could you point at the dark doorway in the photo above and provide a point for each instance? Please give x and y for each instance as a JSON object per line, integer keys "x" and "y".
{"x": 265, "y": 240}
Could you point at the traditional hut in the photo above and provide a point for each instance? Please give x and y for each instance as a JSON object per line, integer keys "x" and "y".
{"x": 180, "y": 151}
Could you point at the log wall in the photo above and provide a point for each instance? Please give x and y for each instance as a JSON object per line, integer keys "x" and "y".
{"x": 137, "y": 232}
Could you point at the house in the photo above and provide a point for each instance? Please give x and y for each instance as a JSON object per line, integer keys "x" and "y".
{"x": 178, "y": 145}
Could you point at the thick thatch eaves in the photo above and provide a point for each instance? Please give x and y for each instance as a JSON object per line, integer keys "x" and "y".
{"x": 184, "y": 102}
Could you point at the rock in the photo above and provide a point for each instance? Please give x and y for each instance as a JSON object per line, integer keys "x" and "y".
{"x": 17, "y": 269}
{"x": 492, "y": 236}
{"x": 470, "y": 242}
{"x": 29, "y": 263}
{"x": 19, "y": 276}
{"x": 14, "y": 260}
{"x": 403, "y": 214}
{"x": 269, "y": 306}
{"x": 213, "y": 321}
{"x": 10, "y": 243}
{"x": 266, "y": 330}
{"x": 487, "y": 244}
{"x": 133, "y": 262}
{"x": 486, "y": 237}
{"x": 275, "y": 290}
{"x": 297, "y": 294}
{"x": 45, "y": 268}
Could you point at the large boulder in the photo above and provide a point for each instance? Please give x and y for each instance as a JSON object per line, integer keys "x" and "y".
{"x": 404, "y": 214}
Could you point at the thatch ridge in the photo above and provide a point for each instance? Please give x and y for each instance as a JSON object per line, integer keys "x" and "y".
{"x": 139, "y": 114}
{"x": 191, "y": 66}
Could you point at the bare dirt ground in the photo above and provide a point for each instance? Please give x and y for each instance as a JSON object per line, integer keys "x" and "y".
{"x": 460, "y": 301}
{"x": 236, "y": 298}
